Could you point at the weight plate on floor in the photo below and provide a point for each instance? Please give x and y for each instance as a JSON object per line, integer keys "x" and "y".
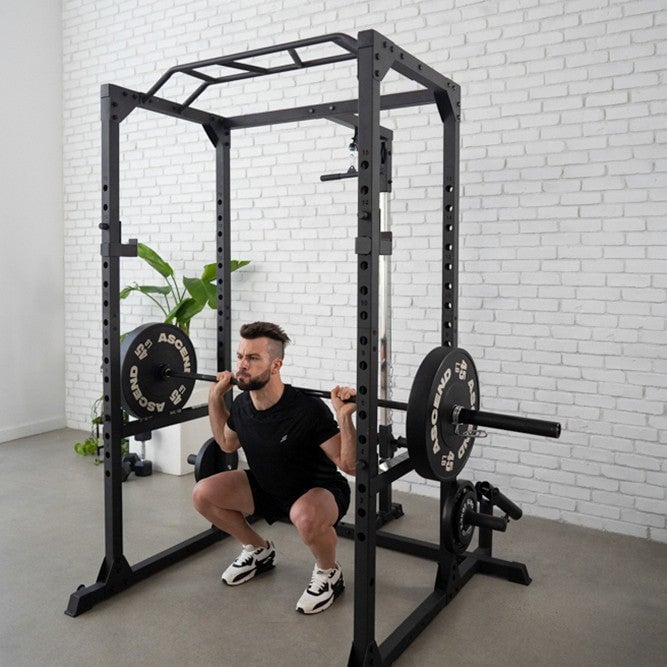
{"x": 447, "y": 377}
{"x": 457, "y": 531}
{"x": 144, "y": 353}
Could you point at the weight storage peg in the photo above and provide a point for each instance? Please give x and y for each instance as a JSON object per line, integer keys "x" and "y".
{"x": 210, "y": 460}
{"x": 159, "y": 369}
{"x": 460, "y": 515}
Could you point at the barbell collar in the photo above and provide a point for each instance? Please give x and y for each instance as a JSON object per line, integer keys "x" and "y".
{"x": 505, "y": 422}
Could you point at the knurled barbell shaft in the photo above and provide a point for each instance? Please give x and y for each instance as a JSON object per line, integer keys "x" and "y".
{"x": 166, "y": 372}
{"x": 383, "y": 403}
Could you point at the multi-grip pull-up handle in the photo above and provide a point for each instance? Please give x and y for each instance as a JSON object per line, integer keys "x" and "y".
{"x": 459, "y": 415}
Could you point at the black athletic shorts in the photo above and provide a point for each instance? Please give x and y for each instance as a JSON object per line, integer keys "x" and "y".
{"x": 273, "y": 509}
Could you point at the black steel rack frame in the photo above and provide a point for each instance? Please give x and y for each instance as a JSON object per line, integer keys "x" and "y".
{"x": 375, "y": 56}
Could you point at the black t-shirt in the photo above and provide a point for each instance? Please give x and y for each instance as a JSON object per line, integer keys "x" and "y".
{"x": 282, "y": 444}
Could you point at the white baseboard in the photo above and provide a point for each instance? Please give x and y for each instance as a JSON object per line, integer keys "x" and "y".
{"x": 33, "y": 428}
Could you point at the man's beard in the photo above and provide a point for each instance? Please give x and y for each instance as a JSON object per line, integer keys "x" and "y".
{"x": 253, "y": 384}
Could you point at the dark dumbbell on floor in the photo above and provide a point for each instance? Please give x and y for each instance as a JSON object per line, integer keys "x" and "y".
{"x": 133, "y": 463}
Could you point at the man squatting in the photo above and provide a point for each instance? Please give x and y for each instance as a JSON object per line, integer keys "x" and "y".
{"x": 293, "y": 447}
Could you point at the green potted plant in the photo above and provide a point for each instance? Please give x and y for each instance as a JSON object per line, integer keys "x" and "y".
{"x": 178, "y": 304}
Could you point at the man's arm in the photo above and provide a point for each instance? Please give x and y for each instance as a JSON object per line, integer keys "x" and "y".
{"x": 218, "y": 413}
{"x": 342, "y": 448}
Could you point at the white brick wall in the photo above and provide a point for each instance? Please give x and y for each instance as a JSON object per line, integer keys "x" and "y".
{"x": 563, "y": 230}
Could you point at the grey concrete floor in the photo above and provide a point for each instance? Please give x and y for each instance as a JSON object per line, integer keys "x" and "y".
{"x": 595, "y": 599}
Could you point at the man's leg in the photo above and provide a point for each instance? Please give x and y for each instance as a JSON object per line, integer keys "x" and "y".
{"x": 225, "y": 500}
{"x": 314, "y": 515}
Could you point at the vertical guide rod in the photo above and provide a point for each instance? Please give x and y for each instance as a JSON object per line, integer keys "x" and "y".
{"x": 384, "y": 317}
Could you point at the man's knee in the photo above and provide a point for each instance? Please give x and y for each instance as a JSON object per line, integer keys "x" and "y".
{"x": 225, "y": 490}
{"x": 313, "y": 513}
{"x": 200, "y": 495}
{"x": 308, "y": 523}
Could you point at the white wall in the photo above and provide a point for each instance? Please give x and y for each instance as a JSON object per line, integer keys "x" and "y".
{"x": 563, "y": 242}
{"x": 32, "y": 362}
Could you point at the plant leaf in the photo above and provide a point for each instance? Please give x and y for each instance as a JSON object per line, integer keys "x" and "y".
{"x": 154, "y": 289}
{"x": 238, "y": 263}
{"x": 144, "y": 289}
{"x": 208, "y": 273}
{"x": 151, "y": 257}
{"x": 212, "y": 293}
{"x": 196, "y": 288}
{"x": 186, "y": 310}
{"x": 126, "y": 291}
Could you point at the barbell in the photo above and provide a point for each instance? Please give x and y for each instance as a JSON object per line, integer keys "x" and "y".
{"x": 159, "y": 370}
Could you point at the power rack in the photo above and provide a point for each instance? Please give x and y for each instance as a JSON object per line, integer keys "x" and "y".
{"x": 375, "y": 56}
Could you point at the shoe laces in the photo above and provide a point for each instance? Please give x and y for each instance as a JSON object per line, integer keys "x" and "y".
{"x": 246, "y": 556}
{"x": 319, "y": 582}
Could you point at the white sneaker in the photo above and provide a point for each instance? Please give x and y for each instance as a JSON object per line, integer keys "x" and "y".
{"x": 248, "y": 563}
{"x": 324, "y": 587}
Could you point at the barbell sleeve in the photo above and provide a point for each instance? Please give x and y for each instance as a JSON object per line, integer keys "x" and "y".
{"x": 461, "y": 415}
